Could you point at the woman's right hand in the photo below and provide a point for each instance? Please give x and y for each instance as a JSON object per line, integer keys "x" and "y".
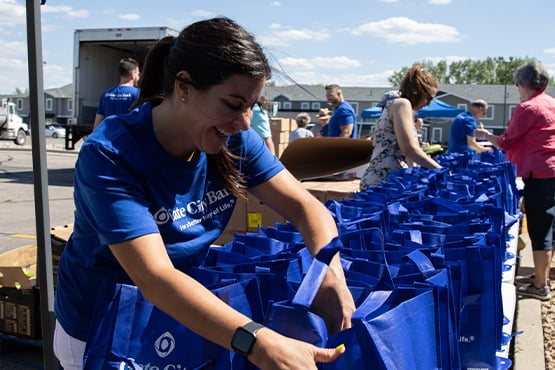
{"x": 273, "y": 351}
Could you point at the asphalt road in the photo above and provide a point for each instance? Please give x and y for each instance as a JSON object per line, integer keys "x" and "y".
{"x": 17, "y": 192}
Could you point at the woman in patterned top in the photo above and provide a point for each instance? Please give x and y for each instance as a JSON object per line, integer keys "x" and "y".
{"x": 395, "y": 145}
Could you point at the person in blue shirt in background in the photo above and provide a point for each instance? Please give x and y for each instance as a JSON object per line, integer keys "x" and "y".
{"x": 461, "y": 136}
{"x": 260, "y": 122}
{"x": 343, "y": 122}
{"x": 118, "y": 99}
{"x": 156, "y": 187}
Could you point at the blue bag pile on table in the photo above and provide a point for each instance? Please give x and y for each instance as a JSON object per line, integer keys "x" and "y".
{"x": 425, "y": 256}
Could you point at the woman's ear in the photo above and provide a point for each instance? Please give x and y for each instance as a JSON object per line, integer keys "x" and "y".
{"x": 182, "y": 84}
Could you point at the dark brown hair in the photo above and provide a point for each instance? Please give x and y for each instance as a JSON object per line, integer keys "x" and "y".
{"x": 126, "y": 66}
{"x": 210, "y": 51}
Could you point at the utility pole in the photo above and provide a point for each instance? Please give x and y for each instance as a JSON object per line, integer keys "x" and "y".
{"x": 505, "y": 91}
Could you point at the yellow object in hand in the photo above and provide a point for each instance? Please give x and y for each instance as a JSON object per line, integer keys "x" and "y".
{"x": 340, "y": 348}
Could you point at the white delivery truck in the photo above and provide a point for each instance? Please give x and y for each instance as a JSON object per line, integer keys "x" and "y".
{"x": 12, "y": 126}
{"x": 96, "y": 54}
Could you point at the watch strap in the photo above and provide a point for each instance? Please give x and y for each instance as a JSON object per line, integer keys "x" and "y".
{"x": 252, "y": 327}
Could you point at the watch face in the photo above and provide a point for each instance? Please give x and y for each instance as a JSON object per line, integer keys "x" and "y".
{"x": 243, "y": 341}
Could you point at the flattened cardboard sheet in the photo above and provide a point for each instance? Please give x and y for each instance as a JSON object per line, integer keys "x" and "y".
{"x": 313, "y": 158}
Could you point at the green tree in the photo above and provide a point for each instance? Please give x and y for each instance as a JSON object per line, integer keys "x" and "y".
{"x": 21, "y": 91}
{"x": 491, "y": 71}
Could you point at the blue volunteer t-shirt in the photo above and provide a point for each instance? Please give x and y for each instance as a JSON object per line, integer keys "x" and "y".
{"x": 462, "y": 126}
{"x": 126, "y": 186}
{"x": 342, "y": 115}
{"x": 117, "y": 100}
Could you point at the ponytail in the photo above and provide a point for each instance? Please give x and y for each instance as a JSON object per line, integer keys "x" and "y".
{"x": 151, "y": 82}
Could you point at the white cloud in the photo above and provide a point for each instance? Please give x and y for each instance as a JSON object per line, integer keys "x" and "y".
{"x": 130, "y": 17}
{"x": 320, "y": 62}
{"x": 407, "y": 31}
{"x": 55, "y": 76}
{"x": 64, "y": 10}
{"x": 389, "y": 1}
{"x": 347, "y": 79}
{"x": 439, "y": 2}
{"x": 13, "y": 49}
{"x": 11, "y": 13}
{"x": 276, "y": 3}
{"x": 284, "y": 37}
{"x": 15, "y": 75}
{"x": 550, "y": 52}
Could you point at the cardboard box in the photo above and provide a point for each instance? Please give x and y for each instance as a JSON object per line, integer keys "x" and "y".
{"x": 18, "y": 268}
{"x": 59, "y": 236}
{"x": 19, "y": 297}
{"x": 259, "y": 214}
{"x": 282, "y": 124}
{"x": 325, "y": 190}
{"x": 279, "y": 149}
{"x": 238, "y": 220}
{"x": 20, "y": 312}
{"x": 280, "y": 137}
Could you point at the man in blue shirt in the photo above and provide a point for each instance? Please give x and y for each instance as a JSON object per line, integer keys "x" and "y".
{"x": 343, "y": 120}
{"x": 118, "y": 99}
{"x": 461, "y": 137}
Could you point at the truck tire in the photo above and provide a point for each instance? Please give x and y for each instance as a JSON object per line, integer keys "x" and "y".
{"x": 20, "y": 138}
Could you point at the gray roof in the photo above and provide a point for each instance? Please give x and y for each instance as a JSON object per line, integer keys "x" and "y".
{"x": 491, "y": 93}
{"x": 61, "y": 92}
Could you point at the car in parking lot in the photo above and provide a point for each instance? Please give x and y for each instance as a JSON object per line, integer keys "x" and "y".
{"x": 54, "y": 131}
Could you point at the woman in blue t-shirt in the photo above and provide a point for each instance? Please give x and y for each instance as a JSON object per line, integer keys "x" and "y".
{"x": 155, "y": 187}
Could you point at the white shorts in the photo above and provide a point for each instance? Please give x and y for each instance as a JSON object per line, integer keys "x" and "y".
{"x": 68, "y": 350}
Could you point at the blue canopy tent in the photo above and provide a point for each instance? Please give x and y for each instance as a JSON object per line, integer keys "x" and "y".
{"x": 436, "y": 109}
{"x": 439, "y": 109}
{"x": 371, "y": 113}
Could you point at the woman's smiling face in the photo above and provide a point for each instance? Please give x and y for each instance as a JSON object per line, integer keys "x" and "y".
{"x": 219, "y": 112}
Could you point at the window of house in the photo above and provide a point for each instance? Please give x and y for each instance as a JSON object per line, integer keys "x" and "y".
{"x": 48, "y": 104}
{"x": 70, "y": 105}
{"x": 425, "y": 133}
{"x": 462, "y": 106}
{"x": 489, "y": 114}
{"x": 305, "y": 105}
{"x": 287, "y": 105}
{"x": 355, "y": 107}
{"x": 315, "y": 106}
{"x": 511, "y": 109}
{"x": 437, "y": 135}
{"x": 19, "y": 104}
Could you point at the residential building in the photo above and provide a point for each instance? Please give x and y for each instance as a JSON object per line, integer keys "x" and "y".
{"x": 293, "y": 99}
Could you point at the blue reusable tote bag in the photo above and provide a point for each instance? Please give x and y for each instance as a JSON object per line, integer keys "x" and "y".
{"x": 391, "y": 330}
{"x": 130, "y": 332}
{"x": 292, "y": 318}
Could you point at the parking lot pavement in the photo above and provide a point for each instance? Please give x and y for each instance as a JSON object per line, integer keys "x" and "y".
{"x": 17, "y": 194}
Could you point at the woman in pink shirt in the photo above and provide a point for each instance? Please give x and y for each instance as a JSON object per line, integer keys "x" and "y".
{"x": 529, "y": 142}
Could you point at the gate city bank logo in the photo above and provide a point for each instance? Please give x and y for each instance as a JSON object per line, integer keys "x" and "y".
{"x": 193, "y": 208}
{"x": 164, "y": 345}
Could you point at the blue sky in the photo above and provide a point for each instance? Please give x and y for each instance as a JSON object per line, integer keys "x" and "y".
{"x": 349, "y": 42}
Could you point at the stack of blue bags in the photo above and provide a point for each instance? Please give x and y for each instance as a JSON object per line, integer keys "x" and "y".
{"x": 423, "y": 253}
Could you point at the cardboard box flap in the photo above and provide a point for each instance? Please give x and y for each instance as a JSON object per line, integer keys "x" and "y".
{"x": 18, "y": 267}
{"x": 312, "y": 158}
{"x": 61, "y": 232}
